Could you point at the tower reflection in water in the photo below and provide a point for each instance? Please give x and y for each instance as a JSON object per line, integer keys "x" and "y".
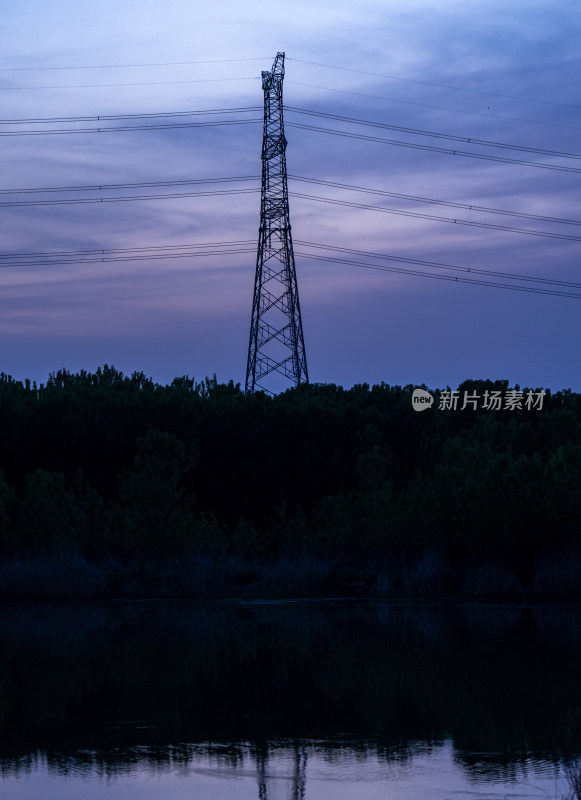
{"x": 272, "y": 782}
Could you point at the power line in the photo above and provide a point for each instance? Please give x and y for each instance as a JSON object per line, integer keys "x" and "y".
{"x": 433, "y": 149}
{"x": 149, "y": 115}
{"x": 163, "y": 252}
{"x": 105, "y": 251}
{"x": 250, "y": 109}
{"x": 299, "y": 60}
{"x": 433, "y": 218}
{"x": 64, "y": 257}
{"x": 145, "y": 184}
{"x": 127, "y": 66}
{"x": 439, "y": 265}
{"x": 125, "y": 199}
{"x": 144, "y": 257}
{"x": 332, "y": 184}
{"x": 247, "y": 109}
{"x": 447, "y": 203}
{"x": 401, "y": 270}
{"x": 112, "y": 85}
{"x": 488, "y": 115}
{"x": 433, "y": 134}
{"x": 329, "y": 200}
{"x": 437, "y": 85}
{"x": 125, "y": 128}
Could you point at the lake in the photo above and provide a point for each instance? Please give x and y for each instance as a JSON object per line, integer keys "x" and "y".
{"x": 302, "y": 700}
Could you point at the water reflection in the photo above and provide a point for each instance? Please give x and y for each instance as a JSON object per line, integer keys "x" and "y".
{"x": 286, "y": 697}
{"x": 290, "y": 770}
{"x": 267, "y": 777}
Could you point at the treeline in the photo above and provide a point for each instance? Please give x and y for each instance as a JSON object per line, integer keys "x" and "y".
{"x": 115, "y": 485}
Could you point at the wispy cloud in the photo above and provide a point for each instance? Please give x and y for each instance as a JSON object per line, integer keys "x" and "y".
{"x": 483, "y": 70}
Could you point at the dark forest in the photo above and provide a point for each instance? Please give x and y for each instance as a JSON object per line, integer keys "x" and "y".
{"x": 115, "y": 486}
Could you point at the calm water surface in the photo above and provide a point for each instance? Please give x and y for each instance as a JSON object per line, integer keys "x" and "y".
{"x": 288, "y": 701}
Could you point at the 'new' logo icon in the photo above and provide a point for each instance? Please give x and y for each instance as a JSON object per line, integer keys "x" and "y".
{"x": 421, "y": 400}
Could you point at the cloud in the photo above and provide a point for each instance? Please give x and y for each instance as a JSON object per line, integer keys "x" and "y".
{"x": 359, "y": 324}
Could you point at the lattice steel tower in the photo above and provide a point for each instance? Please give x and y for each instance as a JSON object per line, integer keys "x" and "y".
{"x": 276, "y": 331}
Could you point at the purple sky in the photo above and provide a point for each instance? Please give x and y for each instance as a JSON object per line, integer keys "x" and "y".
{"x": 514, "y": 68}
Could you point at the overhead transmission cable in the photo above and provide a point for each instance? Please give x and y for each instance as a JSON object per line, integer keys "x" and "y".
{"x": 252, "y": 109}
{"x": 126, "y": 128}
{"x": 434, "y": 218}
{"x": 288, "y": 58}
{"x": 433, "y": 149}
{"x": 128, "y": 66}
{"x": 163, "y": 247}
{"x": 113, "y": 85}
{"x": 146, "y": 115}
{"x": 347, "y": 134}
{"x": 129, "y": 198}
{"x": 141, "y": 185}
{"x": 432, "y": 134}
{"x": 432, "y": 201}
{"x": 143, "y": 257}
{"x": 314, "y": 198}
{"x": 437, "y": 85}
{"x": 437, "y": 264}
{"x": 162, "y": 252}
{"x": 486, "y": 115}
{"x": 332, "y": 184}
{"x": 65, "y": 257}
{"x": 494, "y": 284}
{"x": 125, "y": 198}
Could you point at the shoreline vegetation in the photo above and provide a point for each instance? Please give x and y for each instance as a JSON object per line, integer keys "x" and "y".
{"x": 112, "y": 486}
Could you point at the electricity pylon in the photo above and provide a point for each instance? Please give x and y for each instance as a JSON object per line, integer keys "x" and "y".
{"x": 276, "y": 331}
